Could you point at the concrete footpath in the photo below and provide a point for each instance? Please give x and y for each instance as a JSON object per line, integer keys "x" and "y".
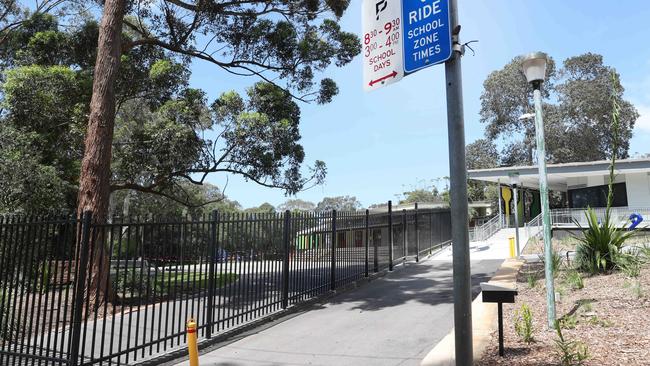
{"x": 394, "y": 320}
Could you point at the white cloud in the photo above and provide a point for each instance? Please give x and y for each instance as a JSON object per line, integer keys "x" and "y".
{"x": 643, "y": 123}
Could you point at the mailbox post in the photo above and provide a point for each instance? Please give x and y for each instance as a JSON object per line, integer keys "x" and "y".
{"x": 498, "y": 293}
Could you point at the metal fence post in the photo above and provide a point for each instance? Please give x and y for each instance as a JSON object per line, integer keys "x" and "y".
{"x": 367, "y": 239}
{"x": 417, "y": 235}
{"x": 285, "y": 261}
{"x": 334, "y": 242}
{"x": 375, "y": 247}
{"x": 214, "y": 221}
{"x": 404, "y": 235}
{"x": 80, "y": 280}
{"x": 390, "y": 235}
{"x": 431, "y": 233}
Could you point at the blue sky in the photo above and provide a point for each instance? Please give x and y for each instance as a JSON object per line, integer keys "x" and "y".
{"x": 378, "y": 144}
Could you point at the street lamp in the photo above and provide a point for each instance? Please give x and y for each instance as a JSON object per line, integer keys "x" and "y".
{"x": 514, "y": 182}
{"x": 534, "y": 67}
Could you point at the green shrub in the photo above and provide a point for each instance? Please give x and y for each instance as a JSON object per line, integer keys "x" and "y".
{"x": 574, "y": 279}
{"x": 629, "y": 263}
{"x": 636, "y": 289}
{"x": 531, "y": 279}
{"x": 569, "y": 321}
{"x": 524, "y": 324}
{"x": 570, "y": 353}
{"x": 644, "y": 253}
{"x": 601, "y": 243}
{"x": 556, "y": 262}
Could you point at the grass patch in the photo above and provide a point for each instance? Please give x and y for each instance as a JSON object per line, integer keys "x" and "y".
{"x": 130, "y": 286}
{"x": 569, "y": 321}
{"x": 573, "y": 279}
{"x": 635, "y": 288}
{"x": 597, "y": 321}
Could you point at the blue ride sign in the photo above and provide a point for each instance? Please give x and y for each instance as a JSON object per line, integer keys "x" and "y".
{"x": 427, "y": 33}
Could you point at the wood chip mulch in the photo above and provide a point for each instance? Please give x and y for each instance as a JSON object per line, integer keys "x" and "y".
{"x": 613, "y": 320}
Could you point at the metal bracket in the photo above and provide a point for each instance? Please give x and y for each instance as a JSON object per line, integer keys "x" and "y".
{"x": 459, "y": 48}
{"x": 455, "y": 41}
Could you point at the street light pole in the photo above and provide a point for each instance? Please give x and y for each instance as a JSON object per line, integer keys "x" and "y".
{"x": 514, "y": 181}
{"x": 514, "y": 193}
{"x": 534, "y": 66}
{"x": 458, "y": 194}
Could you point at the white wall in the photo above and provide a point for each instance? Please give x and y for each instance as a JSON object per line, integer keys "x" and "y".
{"x": 597, "y": 180}
{"x": 638, "y": 189}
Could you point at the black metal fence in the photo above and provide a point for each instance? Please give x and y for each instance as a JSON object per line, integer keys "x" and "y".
{"x": 74, "y": 291}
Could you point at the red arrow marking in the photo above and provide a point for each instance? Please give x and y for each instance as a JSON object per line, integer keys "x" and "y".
{"x": 391, "y": 75}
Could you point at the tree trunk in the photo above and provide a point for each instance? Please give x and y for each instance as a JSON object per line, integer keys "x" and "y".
{"x": 94, "y": 181}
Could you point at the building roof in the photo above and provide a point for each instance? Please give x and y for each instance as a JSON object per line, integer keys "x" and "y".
{"x": 557, "y": 174}
{"x": 410, "y": 206}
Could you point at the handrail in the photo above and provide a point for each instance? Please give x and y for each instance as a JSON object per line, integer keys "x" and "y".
{"x": 485, "y": 231}
{"x": 572, "y": 217}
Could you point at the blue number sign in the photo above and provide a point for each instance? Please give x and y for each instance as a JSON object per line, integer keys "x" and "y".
{"x": 427, "y": 33}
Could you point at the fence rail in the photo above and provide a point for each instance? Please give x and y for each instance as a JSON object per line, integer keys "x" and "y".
{"x": 74, "y": 291}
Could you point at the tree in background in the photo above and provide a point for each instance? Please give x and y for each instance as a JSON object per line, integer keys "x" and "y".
{"x": 284, "y": 44}
{"x": 161, "y": 123}
{"x": 339, "y": 203}
{"x": 577, "y": 121}
{"x": 14, "y": 16}
{"x": 263, "y": 208}
{"x": 130, "y": 203}
{"x": 481, "y": 154}
{"x": 296, "y": 204}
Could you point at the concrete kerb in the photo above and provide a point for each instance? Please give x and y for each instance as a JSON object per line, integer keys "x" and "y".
{"x": 484, "y": 321}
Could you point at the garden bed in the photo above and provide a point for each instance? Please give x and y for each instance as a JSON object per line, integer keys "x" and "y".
{"x": 609, "y": 315}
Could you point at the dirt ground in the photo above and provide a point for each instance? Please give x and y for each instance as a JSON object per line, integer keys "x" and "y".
{"x": 610, "y": 315}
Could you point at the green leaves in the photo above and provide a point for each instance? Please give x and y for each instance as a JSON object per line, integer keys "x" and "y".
{"x": 27, "y": 184}
{"x": 601, "y": 243}
{"x": 577, "y": 116}
{"x": 280, "y": 42}
{"x": 260, "y": 138}
{"x": 524, "y": 324}
{"x": 570, "y": 353}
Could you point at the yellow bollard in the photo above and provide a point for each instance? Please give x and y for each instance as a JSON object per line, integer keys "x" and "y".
{"x": 191, "y": 343}
{"x": 512, "y": 246}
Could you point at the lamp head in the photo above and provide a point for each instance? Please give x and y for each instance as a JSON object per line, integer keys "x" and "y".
{"x": 534, "y": 66}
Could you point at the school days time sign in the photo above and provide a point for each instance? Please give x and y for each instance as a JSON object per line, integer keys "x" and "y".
{"x": 401, "y": 37}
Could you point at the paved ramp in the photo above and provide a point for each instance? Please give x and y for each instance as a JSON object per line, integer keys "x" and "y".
{"x": 496, "y": 247}
{"x": 395, "y": 320}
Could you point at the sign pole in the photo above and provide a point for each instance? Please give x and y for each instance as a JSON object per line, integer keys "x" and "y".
{"x": 458, "y": 194}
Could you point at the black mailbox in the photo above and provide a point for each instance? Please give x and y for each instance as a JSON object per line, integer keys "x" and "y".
{"x": 498, "y": 293}
{"x": 493, "y": 292}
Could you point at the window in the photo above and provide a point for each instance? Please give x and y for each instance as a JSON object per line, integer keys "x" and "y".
{"x": 340, "y": 241}
{"x": 597, "y": 196}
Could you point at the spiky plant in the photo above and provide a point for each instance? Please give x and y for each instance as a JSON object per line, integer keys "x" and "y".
{"x": 602, "y": 241}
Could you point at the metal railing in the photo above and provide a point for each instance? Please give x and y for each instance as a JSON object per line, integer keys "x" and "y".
{"x": 485, "y": 231}
{"x": 534, "y": 227}
{"x": 620, "y": 216}
{"x": 78, "y": 292}
{"x": 575, "y": 217}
